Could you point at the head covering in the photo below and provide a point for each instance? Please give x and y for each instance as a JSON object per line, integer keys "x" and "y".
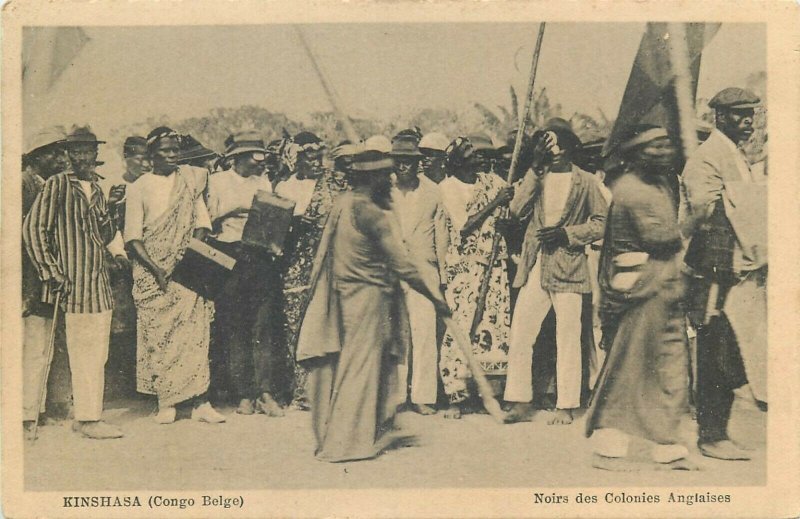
{"x": 482, "y": 143}
{"x": 405, "y": 146}
{"x": 371, "y": 161}
{"x": 44, "y": 138}
{"x": 244, "y": 142}
{"x": 433, "y": 143}
{"x": 414, "y": 133}
{"x": 346, "y": 149}
{"x": 567, "y": 139}
{"x": 640, "y": 135}
{"x": 734, "y": 98}
{"x": 82, "y": 135}
{"x": 192, "y": 150}
{"x": 134, "y": 144}
{"x": 159, "y": 133}
{"x": 378, "y": 143}
{"x": 308, "y": 141}
{"x": 458, "y": 152}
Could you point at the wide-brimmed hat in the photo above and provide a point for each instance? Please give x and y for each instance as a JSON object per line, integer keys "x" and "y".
{"x": 734, "y": 98}
{"x": 405, "y": 146}
{"x": 244, "y": 142}
{"x": 482, "y": 144}
{"x": 46, "y": 137}
{"x": 433, "y": 143}
{"x": 409, "y": 133}
{"x": 81, "y": 135}
{"x": 378, "y": 143}
{"x": 371, "y": 161}
{"x": 192, "y": 149}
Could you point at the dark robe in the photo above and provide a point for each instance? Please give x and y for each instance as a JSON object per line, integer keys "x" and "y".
{"x": 356, "y": 328}
{"x": 643, "y": 386}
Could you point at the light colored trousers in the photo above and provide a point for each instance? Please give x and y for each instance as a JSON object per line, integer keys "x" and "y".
{"x": 87, "y": 345}
{"x": 422, "y": 316}
{"x": 533, "y": 305}
{"x": 746, "y": 308}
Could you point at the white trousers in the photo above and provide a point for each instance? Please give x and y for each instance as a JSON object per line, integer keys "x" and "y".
{"x": 746, "y": 308}
{"x": 36, "y": 334}
{"x": 87, "y": 346}
{"x": 533, "y": 305}
{"x": 422, "y": 316}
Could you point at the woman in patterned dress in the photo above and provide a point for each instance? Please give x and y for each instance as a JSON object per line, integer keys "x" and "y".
{"x": 473, "y": 200}
{"x": 313, "y": 188}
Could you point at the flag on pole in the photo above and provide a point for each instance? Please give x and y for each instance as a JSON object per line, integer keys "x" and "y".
{"x": 649, "y": 95}
{"x": 46, "y": 54}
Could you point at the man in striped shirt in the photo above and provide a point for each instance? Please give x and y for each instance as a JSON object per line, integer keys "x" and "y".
{"x": 66, "y": 233}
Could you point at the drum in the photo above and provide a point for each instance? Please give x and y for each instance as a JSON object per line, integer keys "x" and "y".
{"x": 203, "y": 269}
{"x": 268, "y": 223}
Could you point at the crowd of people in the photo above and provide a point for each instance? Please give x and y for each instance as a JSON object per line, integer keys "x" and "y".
{"x": 647, "y": 276}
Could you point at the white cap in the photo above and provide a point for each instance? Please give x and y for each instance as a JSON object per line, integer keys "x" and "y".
{"x": 378, "y": 143}
{"x": 434, "y": 141}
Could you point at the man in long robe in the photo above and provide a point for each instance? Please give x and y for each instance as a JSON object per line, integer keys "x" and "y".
{"x": 356, "y": 327}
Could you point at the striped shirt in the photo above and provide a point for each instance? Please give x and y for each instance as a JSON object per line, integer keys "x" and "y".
{"x": 66, "y": 232}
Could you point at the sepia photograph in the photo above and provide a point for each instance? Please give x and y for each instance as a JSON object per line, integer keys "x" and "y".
{"x": 307, "y": 255}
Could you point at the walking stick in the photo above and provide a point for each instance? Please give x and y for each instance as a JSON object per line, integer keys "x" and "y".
{"x": 484, "y": 288}
{"x": 485, "y": 389}
{"x": 50, "y": 347}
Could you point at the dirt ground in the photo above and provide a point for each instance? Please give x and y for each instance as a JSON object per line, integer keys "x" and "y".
{"x": 256, "y": 452}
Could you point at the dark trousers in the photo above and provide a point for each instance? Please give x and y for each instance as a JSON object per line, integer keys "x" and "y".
{"x": 720, "y": 370}
{"x": 248, "y": 326}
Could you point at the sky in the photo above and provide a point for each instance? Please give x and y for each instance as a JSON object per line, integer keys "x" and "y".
{"x": 126, "y": 74}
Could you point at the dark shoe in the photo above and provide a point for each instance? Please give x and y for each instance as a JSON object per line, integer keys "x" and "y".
{"x": 246, "y": 407}
{"x": 98, "y": 430}
{"x": 723, "y": 450}
{"x": 268, "y": 406}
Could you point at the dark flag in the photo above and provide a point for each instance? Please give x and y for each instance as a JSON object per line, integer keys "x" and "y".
{"x": 650, "y": 96}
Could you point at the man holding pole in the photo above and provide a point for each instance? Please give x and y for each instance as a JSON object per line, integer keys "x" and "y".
{"x": 357, "y": 305}
{"x": 66, "y": 234}
{"x": 568, "y": 212}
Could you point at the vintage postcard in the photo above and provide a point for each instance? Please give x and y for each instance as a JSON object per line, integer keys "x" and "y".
{"x": 400, "y": 259}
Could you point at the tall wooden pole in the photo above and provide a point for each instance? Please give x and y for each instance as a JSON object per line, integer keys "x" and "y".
{"x": 347, "y": 125}
{"x": 523, "y": 121}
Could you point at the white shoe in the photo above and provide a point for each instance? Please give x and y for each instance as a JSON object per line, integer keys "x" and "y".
{"x": 165, "y": 415}
{"x": 206, "y": 413}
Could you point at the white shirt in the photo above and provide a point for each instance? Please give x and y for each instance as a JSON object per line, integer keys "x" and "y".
{"x": 298, "y": 191}
{"x": 554, "y": 195}
{"x": 403, "y": 203}
{"x": 148, "y": 199}
{"x": 230, "y": 197}
{"x": 455, "y": 196}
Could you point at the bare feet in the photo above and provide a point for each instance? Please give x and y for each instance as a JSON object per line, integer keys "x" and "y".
{"x": 423, "y": 409}
{"x": 245, "y": 407}
{"x": 681, "y": 464}
{"x": 519, "y": 412}
{"x": 267, "y": 405}
{"x": 561, "y": 417}
{"x": 453, "y": 412}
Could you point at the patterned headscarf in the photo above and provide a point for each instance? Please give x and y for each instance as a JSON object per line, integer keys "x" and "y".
{"x": 159, "y": 133}
{"x": 458, "y": 152}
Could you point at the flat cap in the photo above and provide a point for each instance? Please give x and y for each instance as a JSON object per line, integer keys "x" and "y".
{"x": 734, "y": 97}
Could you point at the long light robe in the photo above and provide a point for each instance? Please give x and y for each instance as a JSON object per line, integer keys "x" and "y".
{"x": 356, "y": 327}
